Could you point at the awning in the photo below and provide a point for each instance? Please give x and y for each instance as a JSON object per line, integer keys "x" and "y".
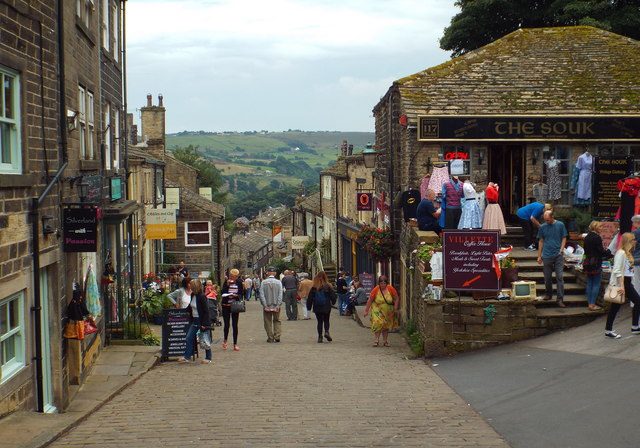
{"x": 119, "y": 211}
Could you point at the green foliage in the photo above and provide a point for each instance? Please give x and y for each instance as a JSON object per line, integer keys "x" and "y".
{"x": 508, "y": 263}
{"x": 310, "y": 247}
{"x": 425, "y": 251}
{"x": 150, "y": 339}
{"x": 208, "y": 174}
{"x": 281, "y": 265}
{"x": 378, "y": 242}
{"x": 414, "y": 338}
{"x": 482, "y": 21}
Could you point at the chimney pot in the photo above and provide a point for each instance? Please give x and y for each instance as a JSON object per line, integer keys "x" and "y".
{"x": 149, "y": 103}
{"x": 160, "y": 100}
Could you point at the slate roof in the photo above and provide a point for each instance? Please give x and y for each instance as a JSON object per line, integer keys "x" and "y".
{"x": 194, "y": 199}
{"x": 311, "y": 203}
{"x": 337, "y": 170}
{"x": 581, "y": 70}
{"x": 252, "y": 240}
{"x": 139, "y": 154}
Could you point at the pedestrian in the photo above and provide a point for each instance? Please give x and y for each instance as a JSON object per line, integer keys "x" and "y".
{"x": 232, "y": 290}
{"x": 321, "y": 298}
{"x": 181, "y": 297}
{"x": 530, "y": 219}
{"x": 200, "y": 323}
{"x": 248, "y": 287}
{"x": 290, "y": 285}
{"x": 594, "y": 253}
{"x": 343, "y": 293}
{"x": 621, "y": 276}
{"x": 271, "y": 298}
{"x": 359, "y": 297}
{"x": 256, "y": 286}
{"x": 427, "y": 214}
{"x": 552, "y": 237}
{"x": 635, "y": 229}
{"x": 182, "y": 271}
{"x": 304, "y": 287}
{"x": 383, "y": 304}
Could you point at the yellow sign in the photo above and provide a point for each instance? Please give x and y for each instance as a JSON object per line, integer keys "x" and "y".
{"x": 160, "y": 224}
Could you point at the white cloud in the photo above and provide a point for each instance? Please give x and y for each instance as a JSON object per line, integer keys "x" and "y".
{"x": 267, "y": 55}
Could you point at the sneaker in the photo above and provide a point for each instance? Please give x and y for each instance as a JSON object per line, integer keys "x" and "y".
{"x": 612, "y": 335}
{"x": 276, "y": 340}
{"x": 205, "y": 361}
{"x": 236, "y": 348}
{"x": 183, "y": 360}
{"x": 327, "y": 336}
{"x": 635, "y": 330}
{"x": 531, "y": 248}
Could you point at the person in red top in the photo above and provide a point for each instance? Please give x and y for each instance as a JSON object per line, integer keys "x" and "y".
{"x": 383, "y": 303}
{"x": 493, "y": 218}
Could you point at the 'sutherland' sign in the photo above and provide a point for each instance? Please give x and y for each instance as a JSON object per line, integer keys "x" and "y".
{"x": 468, "y": 257}
{"x": 298, "y": 242}
{"x": 80, "y": 229}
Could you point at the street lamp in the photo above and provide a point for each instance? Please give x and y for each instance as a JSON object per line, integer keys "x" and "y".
{"x": 369, "y": 155}
{"x": 83, "y": 190}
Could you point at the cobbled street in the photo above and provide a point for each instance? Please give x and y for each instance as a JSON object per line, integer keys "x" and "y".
{"x": 297, "y": 393}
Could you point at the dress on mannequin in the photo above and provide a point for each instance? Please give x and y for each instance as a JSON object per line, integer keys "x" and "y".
{"x": 553, "y": 179}
{"x": 471, "y": 215}
{"x": 439, "y": 176}
{"x": 424, "y": 186}
{"x": 452, "y": 203}
{"x": 493, "y": 218}
{"x": 575, "y": 175}
{"x": 585, "y": 165}
{"x": 541, "y": 192}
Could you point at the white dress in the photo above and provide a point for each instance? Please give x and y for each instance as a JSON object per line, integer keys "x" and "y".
{"x": 471, "y": 217}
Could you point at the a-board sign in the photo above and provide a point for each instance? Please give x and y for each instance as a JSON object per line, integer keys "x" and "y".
{"x": 468, "y": 258}
{"x": 368, "y": 282}
{"x": 607, "y": 171}
{"x": 174, "y": 331}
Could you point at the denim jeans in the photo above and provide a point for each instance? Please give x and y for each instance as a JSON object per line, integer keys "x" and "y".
{"x": 343, "y": 301}
{"x": 632, "y": 295}
{"x": 549, "y": 266}
{"x": 191, "y": 340}
{"x": 593, "y": 287}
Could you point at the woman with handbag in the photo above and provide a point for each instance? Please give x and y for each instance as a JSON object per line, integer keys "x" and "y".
{"x": 620, "y": 283}
{"x": 383, "y": 303}
{"x": 594, "y": 253}
{"x": 320, "y": 299}
{"x": 200, "y": 323}
{"x": 232, "y": 292}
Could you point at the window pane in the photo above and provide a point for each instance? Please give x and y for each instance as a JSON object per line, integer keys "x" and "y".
{"x": 198, "y": 238}
{"x": 5, "y": 143}
{"x": 197, "y": 227}
{"x": 9, "y": 348}
{"x": 3, "y": 319}
{"x": 9, "y": 86}
{"x": 14, "y": 314}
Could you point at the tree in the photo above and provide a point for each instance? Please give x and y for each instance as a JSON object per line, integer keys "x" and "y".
{"x": 208, "y": 174}
{"x": 482, "y": 21}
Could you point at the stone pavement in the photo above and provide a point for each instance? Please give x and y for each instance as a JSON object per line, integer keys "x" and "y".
{"x": 295, "y": 393}
{"x": 115, "y": 369}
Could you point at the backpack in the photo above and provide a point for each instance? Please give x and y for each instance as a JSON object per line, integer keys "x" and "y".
{"x": 320, "y": 299}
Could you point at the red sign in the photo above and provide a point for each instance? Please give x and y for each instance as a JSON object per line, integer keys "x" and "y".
{"x": 468, "y": 258}
{"x": 454, "y": 155}
{"x": 364, "y": 202}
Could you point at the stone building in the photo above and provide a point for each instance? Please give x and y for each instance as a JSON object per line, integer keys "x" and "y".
{"x": 249, "y": 250}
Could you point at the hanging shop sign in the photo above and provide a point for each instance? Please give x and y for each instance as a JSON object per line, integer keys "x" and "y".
{"x": 276, "y": 233}
{"x": 80, "y": 229}
{"x": 172, "y": 196}
{"x": 160, "y": 224}
{"x": 607, "y": 171}
{"x": 174, "y": 331}
{"x": 529, "y": 128}
{"x": 364, "y": 202}
{"x": 298, "y": 242}
{"x": 468, "y": 258}
{"x": 206, "y": 192}
{"x": 115, "y": 188}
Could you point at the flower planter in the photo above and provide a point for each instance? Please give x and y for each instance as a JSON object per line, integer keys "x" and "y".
{"x": 509, "y": 275}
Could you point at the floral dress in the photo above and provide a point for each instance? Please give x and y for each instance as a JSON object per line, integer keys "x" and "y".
{"x": 382, "y": 312}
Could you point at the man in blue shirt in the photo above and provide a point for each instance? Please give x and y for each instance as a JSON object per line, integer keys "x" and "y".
{"x": 553, "y": 238}
{"x": 427, "y": 214}
{"x": 530, "y": 216}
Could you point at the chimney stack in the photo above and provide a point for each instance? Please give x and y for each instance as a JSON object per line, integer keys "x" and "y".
{"x": 149, "y": 102}
{"x": 160, "y": 100}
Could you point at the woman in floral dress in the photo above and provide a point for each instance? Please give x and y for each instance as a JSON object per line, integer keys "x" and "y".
{"x": 383, "y": 303}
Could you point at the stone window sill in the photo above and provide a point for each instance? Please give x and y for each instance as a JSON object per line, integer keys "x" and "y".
{"x": 89, "y": 165}
{"x": 18, "y": 180}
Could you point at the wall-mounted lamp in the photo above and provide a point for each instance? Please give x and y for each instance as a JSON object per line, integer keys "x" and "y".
{"x": 481, "y": 157}
{"x": 535, "y": 156}
{"x": 72, "y": 119}
{"x": 83, "y": 190}
{"x": 369, "y": 155}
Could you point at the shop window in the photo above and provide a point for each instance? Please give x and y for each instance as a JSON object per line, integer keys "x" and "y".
{"x": 10, "y": 151}
{"x": 12, "y": 336}
{"x": 459, "y": 158}
{"x": 632, "y": 151}
{"x": 563, "y": 155}
{"x": 197, "y": 234}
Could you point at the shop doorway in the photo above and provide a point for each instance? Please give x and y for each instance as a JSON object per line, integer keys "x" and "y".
{"x": 506, "y": 168}
{"x": 47, "y": 374}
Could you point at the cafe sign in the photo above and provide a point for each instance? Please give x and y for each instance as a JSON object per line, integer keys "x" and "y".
{"x": 533, "y": 128}
{"x": 160, "y": 224}
{"x": 468, "y": 258}
{"x": 80, "y": 229}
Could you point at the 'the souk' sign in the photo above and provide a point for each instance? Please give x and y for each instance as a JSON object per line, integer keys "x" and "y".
{"x": 468, "y": 257}
{"x": 80, "y": 229}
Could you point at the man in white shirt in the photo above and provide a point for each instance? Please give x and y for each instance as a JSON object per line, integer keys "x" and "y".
{"x": 271, "y": 299}
{"x": 248, "y": 287}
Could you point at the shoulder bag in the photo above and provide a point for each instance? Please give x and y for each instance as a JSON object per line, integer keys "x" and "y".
{"x": 614, "y": 294}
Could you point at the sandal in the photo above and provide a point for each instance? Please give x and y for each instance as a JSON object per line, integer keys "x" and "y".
{"x": 224, "y": 346}
{"x": 386, "y": 344}
{"x": 376, "y": 344}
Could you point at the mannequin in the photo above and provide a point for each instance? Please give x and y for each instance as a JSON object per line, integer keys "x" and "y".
{"x": 452, "y": 195}
{"x": 540, "y": 191}
{"x": 439, "y": 176}
{"x": 493, "y": 218}
{"x": 471, "y": 217}
{"x": 553, "y": 178}
{"x": 585, "y": 165}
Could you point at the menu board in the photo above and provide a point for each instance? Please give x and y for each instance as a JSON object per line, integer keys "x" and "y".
{"x": 607, "y": 171}
{"x": 368, "y": 281}
{"x": 468, "y": 257}
{"x": 174, "y": 331}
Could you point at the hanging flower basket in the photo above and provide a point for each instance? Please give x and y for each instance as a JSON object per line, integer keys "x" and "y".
{"x": 379, "y": 243}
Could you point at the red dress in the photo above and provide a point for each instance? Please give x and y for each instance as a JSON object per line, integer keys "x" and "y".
{"x": 493, "y": 219}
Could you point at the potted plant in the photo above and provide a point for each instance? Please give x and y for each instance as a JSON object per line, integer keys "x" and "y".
{"x": 377, "y": 241}
{"x": 509, "y": 269}
{"x": 425, "y": 252}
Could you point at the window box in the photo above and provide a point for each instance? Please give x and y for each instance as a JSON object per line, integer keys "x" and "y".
{"x": 197, "y": 234}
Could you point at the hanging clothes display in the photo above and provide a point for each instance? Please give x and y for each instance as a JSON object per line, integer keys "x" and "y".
{"x": 424, "y": 186}
{"x": 92, "y": 293}
{"x": 575, "y": 175}
{"x": 585, "y": 165}
{"x": 629, "y": 188}
{"x": 452, "y": 203}
{"x": 471, "y": 217}
{"x": 439, "y": 176}
{"x": 541, "y": 192}
{"x": 553, "y": 179}
{"x": 493, "y": 218}
{"x": 410, "y": 200}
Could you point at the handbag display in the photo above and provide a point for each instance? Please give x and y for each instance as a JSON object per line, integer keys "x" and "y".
{"x": 614, "y": 294}
{"x": 238, "y": 306}
{"x": 90, "y": 326}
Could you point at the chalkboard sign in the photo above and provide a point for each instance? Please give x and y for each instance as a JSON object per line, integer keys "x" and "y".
{"x": 368, "y": 282}
{"x": 174, "y": 331}
{"x": 606, "y": 174}
{"x": 468, "y": 257}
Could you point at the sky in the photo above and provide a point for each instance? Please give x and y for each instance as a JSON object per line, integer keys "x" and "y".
{"x": 243, "y": 65}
